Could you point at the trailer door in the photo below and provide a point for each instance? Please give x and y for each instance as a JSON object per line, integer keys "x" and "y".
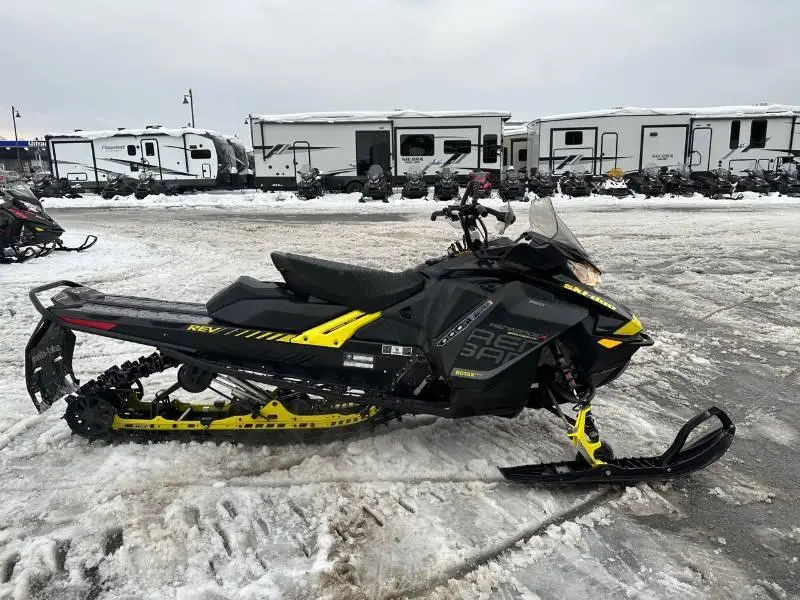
{"x": 573, "y": 149}
{"x": 663, "y": 145}
{"x": 151, "y": 156}
{"x": 372, "y": 148}
{"x": 701, "y": 149}
{"x": 608, "y": 151}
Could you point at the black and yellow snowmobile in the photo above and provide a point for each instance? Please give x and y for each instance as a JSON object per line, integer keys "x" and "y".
{"x": 494, "y": 327}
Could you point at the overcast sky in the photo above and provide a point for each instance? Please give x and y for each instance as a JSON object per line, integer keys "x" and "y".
{"x": 98, "y": 64}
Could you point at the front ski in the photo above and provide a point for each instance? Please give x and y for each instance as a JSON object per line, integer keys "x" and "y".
{"x": 679, "y": 460}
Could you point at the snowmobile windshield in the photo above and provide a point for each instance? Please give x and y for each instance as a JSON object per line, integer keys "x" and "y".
{"x": 722, "y": 173}
{"x": 512, "y": 176}
{"x": 414, "y": 174}
{"x": 545, "y": 223}
{"x": 651, "y": 170}
{"x": 789, "y": 170}
{"x": 374, "y": 173}
{"x": 758, "y": 172}
{"x": 21, "y": 194}
{"x": 479, "y": 175}
{"x": 446, "y": 173}
{"x": 306, "y": 171}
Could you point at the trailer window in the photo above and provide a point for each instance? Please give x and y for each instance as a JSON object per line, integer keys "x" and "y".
{"x": 758, "y": 133}
{"x": 522, "y": 155}
{"x": 131, "y": 150}
{"x": 457, "y": 147}
{"x": 201, "y": 154}
{"x": 736, "y": 127}
{"x": 149, "y": 149}
{"x": 573, "y": 138}
{"x": 490, "y": 148}
{"x": 416, "y": 145}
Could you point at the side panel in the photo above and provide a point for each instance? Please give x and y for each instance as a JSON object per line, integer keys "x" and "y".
{"x": 739, "y": 144}
{"x": 432, "y": 148}
{"x": 573, "y": 149}
{"x": 75, "y": 160}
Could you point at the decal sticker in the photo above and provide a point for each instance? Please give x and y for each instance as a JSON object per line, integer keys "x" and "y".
{"x": 465, "y": 323}
{"x": 359, "y": 361}
{"x": 397, "y": 350}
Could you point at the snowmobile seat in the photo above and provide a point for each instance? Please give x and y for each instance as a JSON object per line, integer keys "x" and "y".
{"x": 359, "y": 288}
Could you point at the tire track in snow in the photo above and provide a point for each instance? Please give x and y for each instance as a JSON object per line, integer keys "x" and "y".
{"x": 463, "y": 568}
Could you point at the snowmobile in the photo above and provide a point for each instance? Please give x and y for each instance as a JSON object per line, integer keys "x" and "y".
{"x": 613, "y": 184}
{"x": 309, "y": 186}
{"x": 646, "y": 182}
{"x": 118, "y": 184}
{"x": 149, "y": 185}
{"x": 716, "y": 184}
{"x": 378, "y": 185}
{"x": 47, "y": 186}
{"x": 415, "y": 186}
{"x": 542, "y": 183}
{"x": 445, "y": 186}
{"x": 785, "y": 181}
{"x": 676, "y": 181}
{"x": 492, "y": 327}
{"x": 511, "y": 188}
{"x": 753, "y": 181}
{"x": 575, "y": 184}
{"x": 26, "y": 230}
{"x": 483, "y": 187}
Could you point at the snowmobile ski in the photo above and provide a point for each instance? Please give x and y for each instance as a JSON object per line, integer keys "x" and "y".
{"x": 677, "y": 461}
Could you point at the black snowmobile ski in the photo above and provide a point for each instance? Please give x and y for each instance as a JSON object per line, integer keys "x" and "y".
{"x": 678, "y": 460}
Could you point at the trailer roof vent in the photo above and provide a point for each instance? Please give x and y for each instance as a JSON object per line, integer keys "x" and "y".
{"x": 77, "y": 130}
{"x": 120, "y": 128}
{"x": 761, "y": 104}
{"x": 153, "y": 127}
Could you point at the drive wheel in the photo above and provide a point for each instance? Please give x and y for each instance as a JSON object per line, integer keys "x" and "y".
{"x": 90, "y": 416}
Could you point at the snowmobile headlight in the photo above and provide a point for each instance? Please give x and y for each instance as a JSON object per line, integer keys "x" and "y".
{"x": 585, "y": 273}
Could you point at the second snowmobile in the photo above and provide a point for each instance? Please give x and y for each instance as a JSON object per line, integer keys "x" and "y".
{"x": 753, "y": 181}
{"x": 716, "y": 184}
{"x": 542, "y": 183}
{"x": 26, "y": 230}
{"x": 785, "y": 180}
{"x": 118, "y": 184}
{"x": 493, "y": 327}
{"x": 378, "y": 185}
{"x": 676, "y": 181}
{"x": 149, "y": 185}
{"x": 445, "y": 185}
{"x": 511, "y": 188}
{"x": 646, "y": 182}
{"x": 613, "y": 184}
{"x": 415, "y": 186}
{"x": 309, "y": 184}
{"x": 575, "y": 184}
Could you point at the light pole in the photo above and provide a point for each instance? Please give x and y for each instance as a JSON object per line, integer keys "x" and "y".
{"x": 14, "y": 116}
{"x": 189, "y": 99}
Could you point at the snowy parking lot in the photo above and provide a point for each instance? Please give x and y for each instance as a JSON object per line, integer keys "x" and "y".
{"x": 418, "y": 509}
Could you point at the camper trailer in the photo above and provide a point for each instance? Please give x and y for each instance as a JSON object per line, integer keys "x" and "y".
{"x": 735, "y": 137}
{"x": 344, "y": 145}
{"x": 186, "y": 157}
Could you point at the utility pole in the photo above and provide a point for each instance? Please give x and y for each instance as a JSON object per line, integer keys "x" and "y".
{"x": 14, "y": 116}
{"x": 189, "y": 99}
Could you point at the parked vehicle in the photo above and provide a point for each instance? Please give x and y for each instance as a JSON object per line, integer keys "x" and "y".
{"x": 310, "y": 185}
{"x": 753, "y": 180}
{"x": 148, "y": 185}
{"x": 445, "y": 186}
{"x": 482, "y": 186}
{"x": 47, "y": 186}
{"x": 576, "y": 184}
{"x": 511, "y": 188}
{"x": 119, "y": 185}
{"x": 613, "y": 184}
{"x": 378, "y": 185}
{"x": 785, "y": 180}
{"x": 415, "y": 186}
{"x": 676, "y": 181}
{"x": 718, "y": 183}
{"x": 542, "y": 183}
{"x": 646, "y": 181}
{"x": 26, "y": 230}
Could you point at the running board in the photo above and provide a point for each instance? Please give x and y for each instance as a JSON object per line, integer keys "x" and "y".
{"x": 677, "y": 461}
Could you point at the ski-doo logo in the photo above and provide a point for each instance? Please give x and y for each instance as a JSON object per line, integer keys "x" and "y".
{"x": 499, "y": 349}
{"x": 45, "y": 354}
{"x": 582, "y": 292}
{"x": 204, "y": 329}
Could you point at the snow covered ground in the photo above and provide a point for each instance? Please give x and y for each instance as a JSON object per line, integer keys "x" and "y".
{"x": 418, "y": 509}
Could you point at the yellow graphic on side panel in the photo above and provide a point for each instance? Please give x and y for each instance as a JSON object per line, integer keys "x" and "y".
{"x": 593, "y": 297}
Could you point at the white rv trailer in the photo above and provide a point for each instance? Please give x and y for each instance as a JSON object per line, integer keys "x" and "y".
{"x": 190, "y": 158}
{"x": 736, "y": 137}
{"x": 343, "y": 145}
{"x": 515, "y": 145}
